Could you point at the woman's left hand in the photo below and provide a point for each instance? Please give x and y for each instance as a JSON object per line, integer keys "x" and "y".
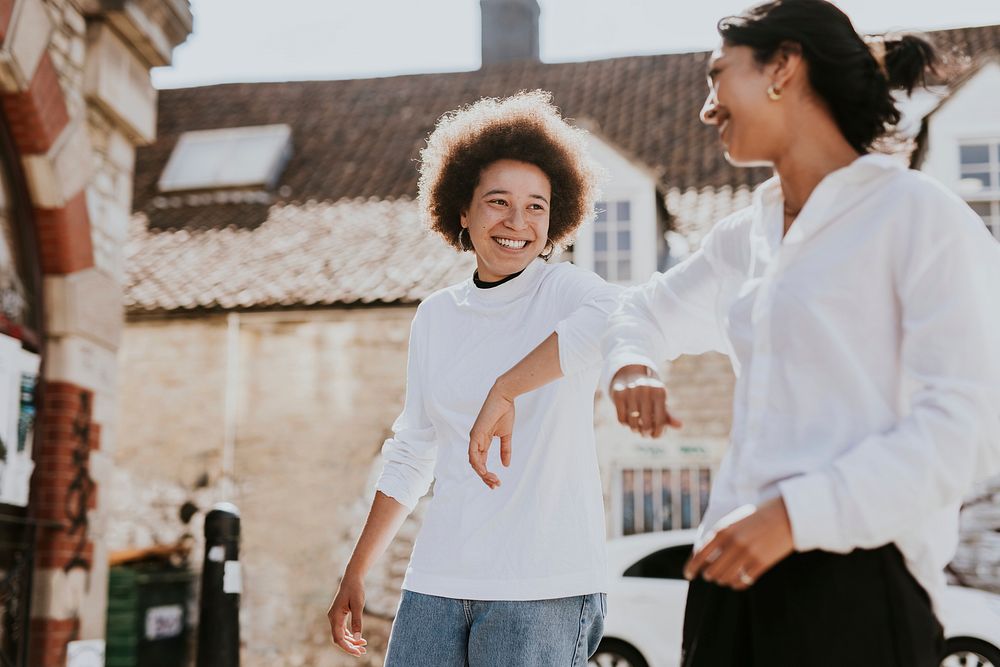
{"x": 744, "y": 546}
{"x": 496, "y": 419}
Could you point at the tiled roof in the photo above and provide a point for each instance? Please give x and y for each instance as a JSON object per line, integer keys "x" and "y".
{"x": 694, "y": 211}
{"x": 361, "y": 137}
{"x": 358, "y": 140}
{"x": 349, "y": 252}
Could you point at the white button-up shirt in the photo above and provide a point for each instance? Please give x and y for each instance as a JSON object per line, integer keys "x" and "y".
{"x": 866, "y": 345}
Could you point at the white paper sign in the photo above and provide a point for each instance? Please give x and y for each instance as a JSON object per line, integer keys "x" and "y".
{"x": 85, "y": 653}
{"x": 164, "y": 622}
{"x": 232, "y": 579}
{"x": 15, "y": 479}
{"x": 10, "y": 393}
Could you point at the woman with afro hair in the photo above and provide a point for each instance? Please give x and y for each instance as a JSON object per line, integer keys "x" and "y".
{"x": 509, "y": 565}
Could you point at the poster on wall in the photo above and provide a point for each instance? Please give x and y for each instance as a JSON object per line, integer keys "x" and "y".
{"x": 15, "y": 482}
{"x": 10, "y": 395}
{"x": 18, "y": 389}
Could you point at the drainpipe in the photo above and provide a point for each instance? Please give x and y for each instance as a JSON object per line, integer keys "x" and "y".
{"x": 231, "y": 404}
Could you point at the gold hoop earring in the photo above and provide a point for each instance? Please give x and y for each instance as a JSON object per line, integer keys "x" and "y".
{"x": 465, "y": 245}
{"x": 773, "y": 92}
{"x": 547, "y": 251}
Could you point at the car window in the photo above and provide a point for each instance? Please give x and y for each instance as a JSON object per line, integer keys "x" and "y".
{"x": 663, "y": 564}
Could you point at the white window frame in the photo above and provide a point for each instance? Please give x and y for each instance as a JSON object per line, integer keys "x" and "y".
{"x": 612, "y": 254}
{"x": 990, "y": 197}
{"x": 676, "y": 500}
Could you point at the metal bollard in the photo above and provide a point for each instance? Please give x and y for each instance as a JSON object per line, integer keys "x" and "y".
{"x": 221, "y": 586}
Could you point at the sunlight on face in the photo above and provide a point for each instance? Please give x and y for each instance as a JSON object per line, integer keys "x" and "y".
{"x": 737, "y": 105}
{"x": 508, "y": 217}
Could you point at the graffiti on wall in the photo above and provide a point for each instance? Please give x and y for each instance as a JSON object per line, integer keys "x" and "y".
{"x": 81, "y": 487}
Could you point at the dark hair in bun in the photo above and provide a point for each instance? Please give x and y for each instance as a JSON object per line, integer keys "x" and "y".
{"x": 853, "y": 75}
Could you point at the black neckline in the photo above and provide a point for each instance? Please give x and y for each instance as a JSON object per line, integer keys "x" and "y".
{"x": 482, "y": 284}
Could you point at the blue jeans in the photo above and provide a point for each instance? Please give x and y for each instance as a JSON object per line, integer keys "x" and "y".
{"x": 431, "y": 631}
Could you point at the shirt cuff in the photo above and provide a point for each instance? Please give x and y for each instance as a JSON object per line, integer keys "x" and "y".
{"x": 397, "y": 490}
{"x": 811, "y": 504}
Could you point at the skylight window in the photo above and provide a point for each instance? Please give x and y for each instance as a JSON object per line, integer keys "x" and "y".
{"x": 228, "y": 158}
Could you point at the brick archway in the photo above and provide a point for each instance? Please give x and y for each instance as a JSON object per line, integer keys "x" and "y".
{"x": 46, "y": 141}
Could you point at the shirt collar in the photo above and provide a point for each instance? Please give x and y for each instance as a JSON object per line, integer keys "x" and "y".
{"x": 508, "y": 291}
{"x": 837, "y": 191}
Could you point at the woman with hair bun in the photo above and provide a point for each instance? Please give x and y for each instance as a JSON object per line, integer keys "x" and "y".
{"x": 858, "y": 301}
{"x": 509, "y": 566}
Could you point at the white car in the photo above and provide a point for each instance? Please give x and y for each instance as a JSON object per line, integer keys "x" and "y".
{"x": 646, "y": 608}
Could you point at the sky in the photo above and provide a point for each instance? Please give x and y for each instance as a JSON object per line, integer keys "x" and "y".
{"x": 267, "y": 40}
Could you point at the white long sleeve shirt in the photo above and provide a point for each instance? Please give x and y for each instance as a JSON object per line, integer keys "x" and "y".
{"x": 541, "y": 534}
{"x": 866, "y": 345}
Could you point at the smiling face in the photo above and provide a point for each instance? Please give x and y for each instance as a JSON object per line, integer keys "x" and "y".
{"x": 750, "y": 125}
{"x": 508, "y": 218}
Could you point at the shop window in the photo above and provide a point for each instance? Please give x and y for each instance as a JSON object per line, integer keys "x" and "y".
{"x": 658, "y": 499}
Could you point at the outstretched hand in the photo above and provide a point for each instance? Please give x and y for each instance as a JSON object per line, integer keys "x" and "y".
{"x": 496, "y": 419}
{"x": 640, "y": 400}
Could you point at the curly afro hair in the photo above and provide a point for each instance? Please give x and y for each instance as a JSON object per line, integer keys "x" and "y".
{"x": 524, "y": 127}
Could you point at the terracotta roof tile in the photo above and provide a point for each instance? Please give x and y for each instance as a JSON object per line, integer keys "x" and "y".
{"x": 320, "y": 254}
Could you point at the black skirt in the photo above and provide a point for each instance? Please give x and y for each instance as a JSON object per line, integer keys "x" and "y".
{"x": 816, "y": 609}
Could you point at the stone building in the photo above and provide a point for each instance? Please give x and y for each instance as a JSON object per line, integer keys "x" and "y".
{"x": 268, "y": 305}
{"x": 75, "y": 101}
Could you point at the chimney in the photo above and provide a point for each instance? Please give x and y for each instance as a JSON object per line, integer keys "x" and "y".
{"x": 510, "y": 31}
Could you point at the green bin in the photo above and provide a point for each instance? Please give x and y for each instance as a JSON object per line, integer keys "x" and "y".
{"x": 148, "y": 616}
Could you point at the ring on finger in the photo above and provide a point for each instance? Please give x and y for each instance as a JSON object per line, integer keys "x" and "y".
{"x": 745, "y": 578}
{"x": 635, "y": 414}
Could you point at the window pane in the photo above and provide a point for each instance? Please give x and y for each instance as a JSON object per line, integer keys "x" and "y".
{"x": 600, "y": 241}
{"x": 624, "y": 270}
{"x": 628, "y": 502}
{"x": 982, "y": 208}
{"x": 982, "y": 177}
{"x": 14, "y": 297}
{"x": 704, "y": 484}
{"x": 668, "y": 505}
{"x": 624, "y": 239}
{"x": 686, "y": 521}
{"x": 623, "y": 211}
{"x": 601, "y": 268}
{"x": 974, "y": 154}
{"x": 647, "y": 501}
{"x": 232, "y": 157}
{"x": 602, "y": 212}
{"x": 663, "y": 564}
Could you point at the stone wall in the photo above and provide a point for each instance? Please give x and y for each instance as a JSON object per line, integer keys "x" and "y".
{"x": 317, "y": 394}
